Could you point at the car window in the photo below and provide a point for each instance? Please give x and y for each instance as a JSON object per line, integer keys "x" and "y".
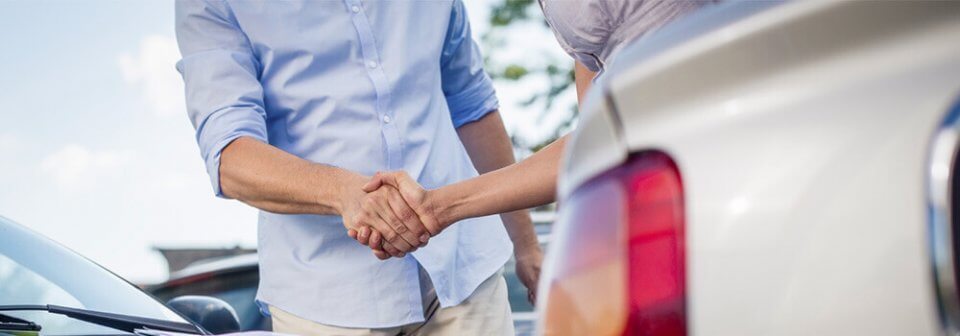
{"x": 36, "y": 271}
{"x": 21, "y": 285}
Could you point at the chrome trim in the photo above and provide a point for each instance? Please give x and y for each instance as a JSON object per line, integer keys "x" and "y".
{"x": 940, "y": 175}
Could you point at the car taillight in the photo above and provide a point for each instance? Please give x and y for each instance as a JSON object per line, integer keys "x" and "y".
{"x": 655, "y": 258}
{"x": 617, "y": 265}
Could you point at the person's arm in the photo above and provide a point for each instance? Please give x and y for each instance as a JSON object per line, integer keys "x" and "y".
{"x": 273, "y": 180}
{"x": 485, "y": 139}
{"x": 276, "y": 181}
{"x": 225, "y": 104}
{"x": 508, "y": 190}
{"x": 473, "y": 108}
{"x": 489, "y": 147}
{"x": 526, "y": 184}
{"x": 582, "y": 78}
{"x": 529, "y": 183}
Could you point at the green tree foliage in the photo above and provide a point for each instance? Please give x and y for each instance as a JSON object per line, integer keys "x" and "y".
{"x": 559, "y": 75}
{"x": 506, "y": 13}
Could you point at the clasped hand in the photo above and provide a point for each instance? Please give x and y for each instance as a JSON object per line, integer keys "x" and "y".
{"x": 392, "y": 217}
{"x": 397, "y": 216}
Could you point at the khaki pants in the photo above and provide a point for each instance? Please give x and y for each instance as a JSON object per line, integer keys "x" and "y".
{"x": 485, "y": 312}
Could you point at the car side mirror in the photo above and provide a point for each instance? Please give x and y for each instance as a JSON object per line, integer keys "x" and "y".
{"x": 213, "y": 314}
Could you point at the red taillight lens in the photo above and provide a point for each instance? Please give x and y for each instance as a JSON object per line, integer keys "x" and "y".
{"x": 655, "y": 247}
{"x": 616, "y": 264}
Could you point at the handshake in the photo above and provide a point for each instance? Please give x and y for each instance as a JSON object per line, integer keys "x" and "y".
{"x": 392, "y": 214}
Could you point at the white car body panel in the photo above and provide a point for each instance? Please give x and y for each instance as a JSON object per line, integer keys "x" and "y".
{"x": 595, "y": 147}
{"x": 801, "y": 134}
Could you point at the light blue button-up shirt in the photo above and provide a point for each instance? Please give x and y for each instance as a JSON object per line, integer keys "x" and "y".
{"x": 361, "y": 85}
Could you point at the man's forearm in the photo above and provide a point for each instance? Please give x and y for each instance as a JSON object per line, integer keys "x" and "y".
{"x": 270, "y": 179}
{"x": 489, "y": 147}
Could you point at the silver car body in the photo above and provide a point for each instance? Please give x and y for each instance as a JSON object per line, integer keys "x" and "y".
{"x": 802, "y": 132}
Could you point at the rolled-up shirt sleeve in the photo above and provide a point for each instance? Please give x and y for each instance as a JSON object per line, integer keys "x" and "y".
{"x": 223, "y": 93}
{"x": 467, "y": 87}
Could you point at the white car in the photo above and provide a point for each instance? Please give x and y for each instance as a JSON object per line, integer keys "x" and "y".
{"x": 764, "y": 168}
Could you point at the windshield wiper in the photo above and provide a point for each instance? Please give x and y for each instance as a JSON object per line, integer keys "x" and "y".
{"x": 116, "y": 321}
{"x": 8, "y": 322}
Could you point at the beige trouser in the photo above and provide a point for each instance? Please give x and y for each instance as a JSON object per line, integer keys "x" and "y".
{"x": 485, "y": 312}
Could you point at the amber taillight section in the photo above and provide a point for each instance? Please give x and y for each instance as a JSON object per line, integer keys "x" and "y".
{"x": 616, "y": 265}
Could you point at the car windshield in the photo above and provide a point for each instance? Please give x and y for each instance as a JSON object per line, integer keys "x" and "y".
{"x": 35, "y": 270}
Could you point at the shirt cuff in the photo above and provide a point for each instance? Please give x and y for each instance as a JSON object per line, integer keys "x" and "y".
{"x": 474, "y": 103}
{"x": 219, "y": 130}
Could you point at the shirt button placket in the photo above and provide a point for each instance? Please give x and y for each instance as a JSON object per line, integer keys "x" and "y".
{"x": 371, "y": 61}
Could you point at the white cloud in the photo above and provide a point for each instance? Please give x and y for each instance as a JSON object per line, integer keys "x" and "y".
{"x": 75, "y": 167}
{"x": 152, "y": 69}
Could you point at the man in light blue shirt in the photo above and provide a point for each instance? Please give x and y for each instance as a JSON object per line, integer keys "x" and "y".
{"x": 296, "y": 102}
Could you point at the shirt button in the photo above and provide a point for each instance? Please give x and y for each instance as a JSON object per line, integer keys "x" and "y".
{"x": 355, "y": 9}
{"x": 372, "y": 64}
{"x": 386, "y": 119}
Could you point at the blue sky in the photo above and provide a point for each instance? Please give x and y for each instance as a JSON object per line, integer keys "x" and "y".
{"x": 96, "y": 151}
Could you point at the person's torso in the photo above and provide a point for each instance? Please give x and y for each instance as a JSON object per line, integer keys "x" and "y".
{"x": 357, "y": 85}
{"x": 358, "y": 90}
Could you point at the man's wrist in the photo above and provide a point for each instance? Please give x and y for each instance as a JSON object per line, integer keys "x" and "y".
{"x": 526, "y": 247}
{"x": 524, "y": 244}
{"x": 347, "y": 184}
{"x": 519, "y": 226}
